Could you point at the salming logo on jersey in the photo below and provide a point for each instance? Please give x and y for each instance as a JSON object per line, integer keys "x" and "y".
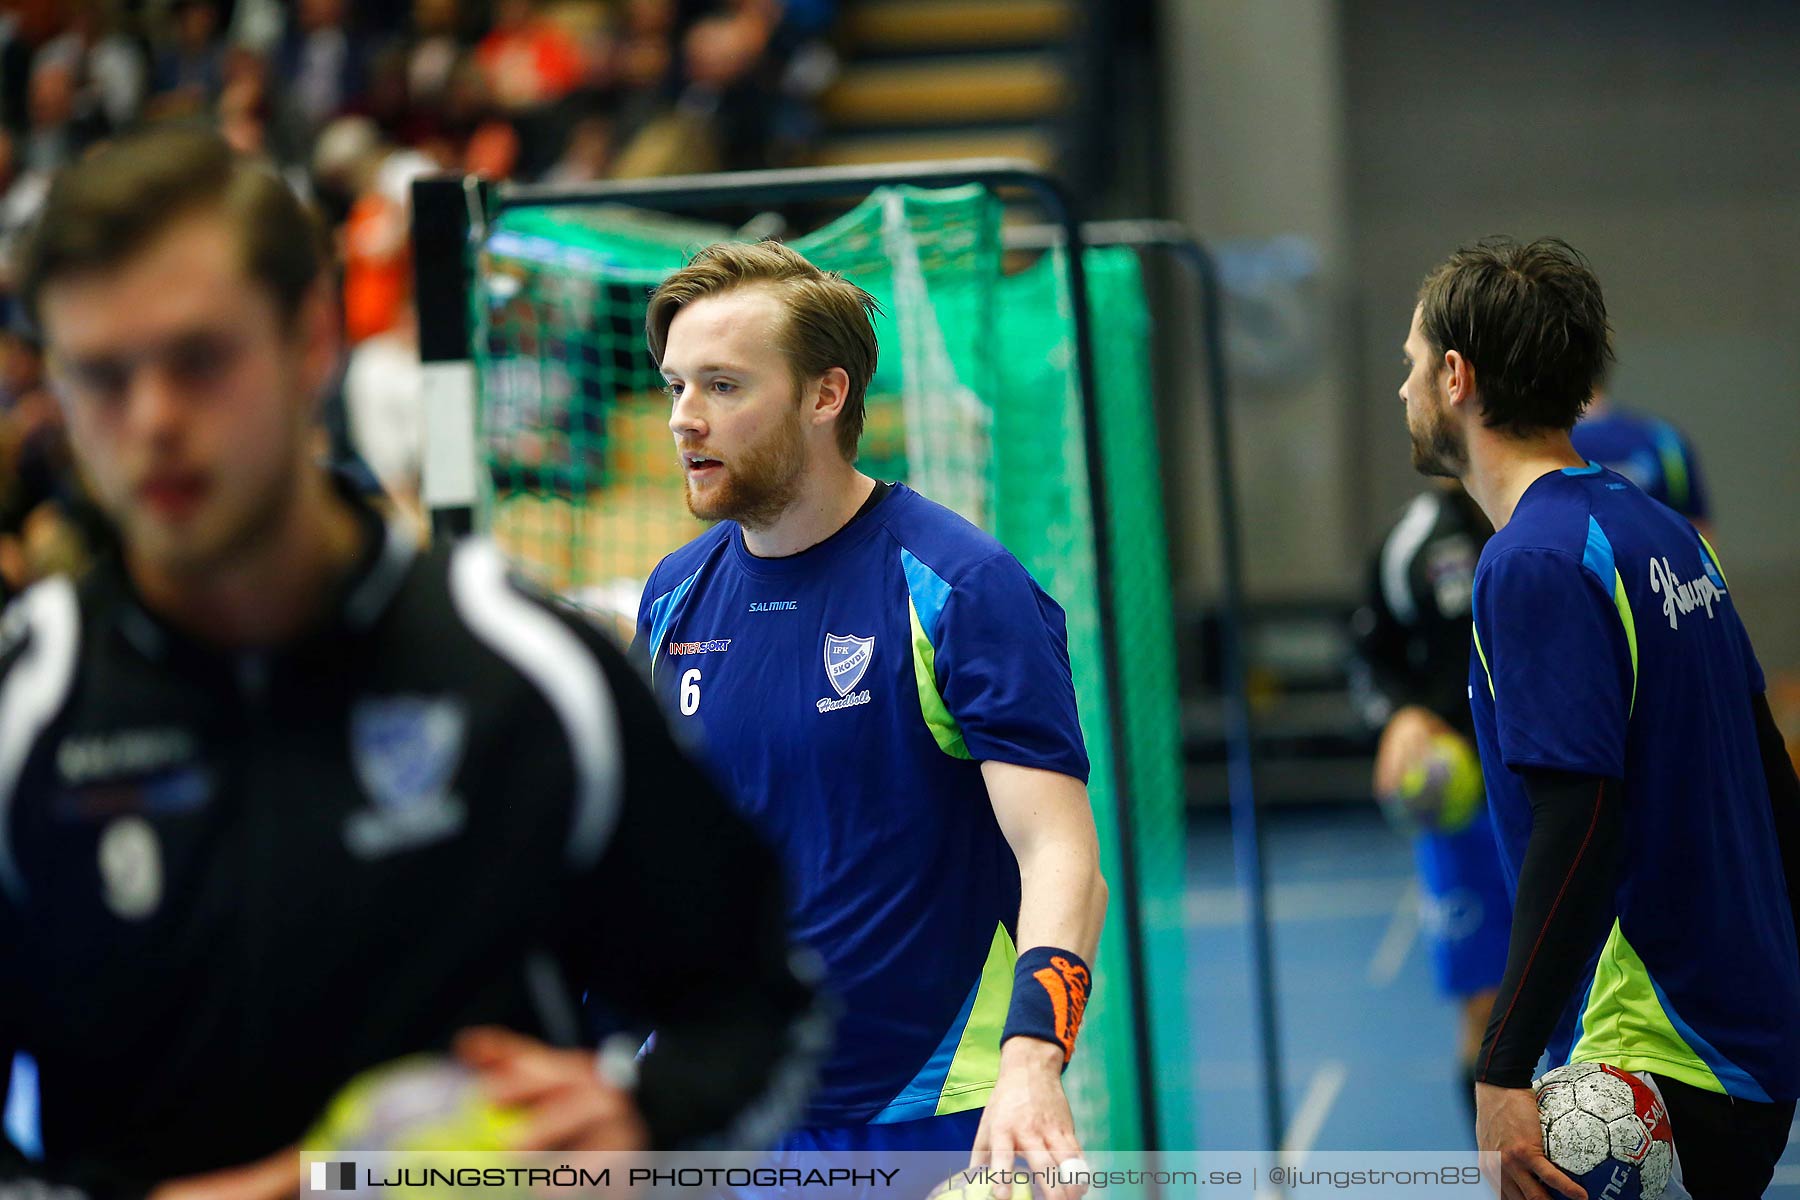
{"x": 127, "y": 752}
{"x": 761, "y": 606}
{"x": 1683, "y": 598}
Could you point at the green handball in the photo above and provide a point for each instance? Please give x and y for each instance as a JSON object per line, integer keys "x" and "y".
{"x": 419, "y": 1103}
{"x": 1440, "y": 794}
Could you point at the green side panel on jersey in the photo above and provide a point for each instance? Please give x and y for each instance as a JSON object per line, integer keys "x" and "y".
{"x": 1482, "y": 655}
{"x": 1624, "y": 1024}
{"x": 1622, "y": 602}
{"x": 1714, "y": 555}
{"x": 944, "y": 729}
{"x": 977, "y": 1061}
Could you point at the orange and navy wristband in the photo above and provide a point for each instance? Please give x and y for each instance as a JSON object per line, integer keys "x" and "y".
{"x": 1049, "y": 997}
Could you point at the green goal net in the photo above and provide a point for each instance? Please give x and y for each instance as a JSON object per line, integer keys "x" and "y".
{"x": 975, "y": 404}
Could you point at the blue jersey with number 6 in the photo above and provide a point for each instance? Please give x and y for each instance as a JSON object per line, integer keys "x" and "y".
{"x": 847, "y": 696}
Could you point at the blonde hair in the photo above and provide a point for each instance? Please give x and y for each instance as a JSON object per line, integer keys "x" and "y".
{"x": 830, "y": 321}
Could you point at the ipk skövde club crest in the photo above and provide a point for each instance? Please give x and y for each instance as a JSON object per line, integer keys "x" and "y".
{"x": 846, "y": 658}
{"x": 406, "y": 748}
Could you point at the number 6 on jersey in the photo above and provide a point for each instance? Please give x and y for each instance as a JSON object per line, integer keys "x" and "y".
{"x": 690, "y": 692}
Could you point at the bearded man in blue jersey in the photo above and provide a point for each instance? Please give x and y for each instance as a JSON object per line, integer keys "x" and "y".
{"x": 888, "y": 693}
{"x": 1647, "y": 812}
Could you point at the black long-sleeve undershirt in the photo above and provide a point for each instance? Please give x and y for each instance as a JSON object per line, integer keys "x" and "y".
{"x": 1784, "y": 798}
{"x": 1562, "y": 913}
{"x": 1564, "y": 907}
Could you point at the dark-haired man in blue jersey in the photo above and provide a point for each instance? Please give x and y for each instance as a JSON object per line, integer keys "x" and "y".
{"x": 1647, "y": 812}
{"x": 888, "y": 693}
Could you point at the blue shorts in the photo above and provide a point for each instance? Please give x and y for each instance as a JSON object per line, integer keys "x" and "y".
{"x": 1465, "y": 913}
{"x": 953, "y": 1134}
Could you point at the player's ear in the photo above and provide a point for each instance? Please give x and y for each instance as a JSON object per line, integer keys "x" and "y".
{"x": 830, "y": 394}
{"x": 1458, "y": 377}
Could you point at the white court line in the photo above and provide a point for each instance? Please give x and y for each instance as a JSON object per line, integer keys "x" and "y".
{"x": 1397, "y": 942}
{"x": 1321, "y": 900}
{"x": 1309, "y": 1118}
{"x": 1788, "y": 1176}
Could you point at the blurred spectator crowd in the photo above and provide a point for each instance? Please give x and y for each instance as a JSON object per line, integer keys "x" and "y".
{"x": 351, "y": 102}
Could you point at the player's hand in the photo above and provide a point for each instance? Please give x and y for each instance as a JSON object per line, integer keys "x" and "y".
{"x": 276, "y": 1177}
{"x": 570, "y": 1107}
{"x": 1028, "y": 1117}
{"x": 1405, "y": 741}
{"x": 1511, "y": 1140}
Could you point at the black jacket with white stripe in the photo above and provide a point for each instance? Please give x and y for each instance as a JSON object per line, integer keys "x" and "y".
{"x": 230, "y": 882}
{"x": 1412, "y": 631}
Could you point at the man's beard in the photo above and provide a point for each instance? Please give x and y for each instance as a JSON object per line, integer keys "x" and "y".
{"x": 1439, "y": 449}
{"x": 762, "y": 483}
